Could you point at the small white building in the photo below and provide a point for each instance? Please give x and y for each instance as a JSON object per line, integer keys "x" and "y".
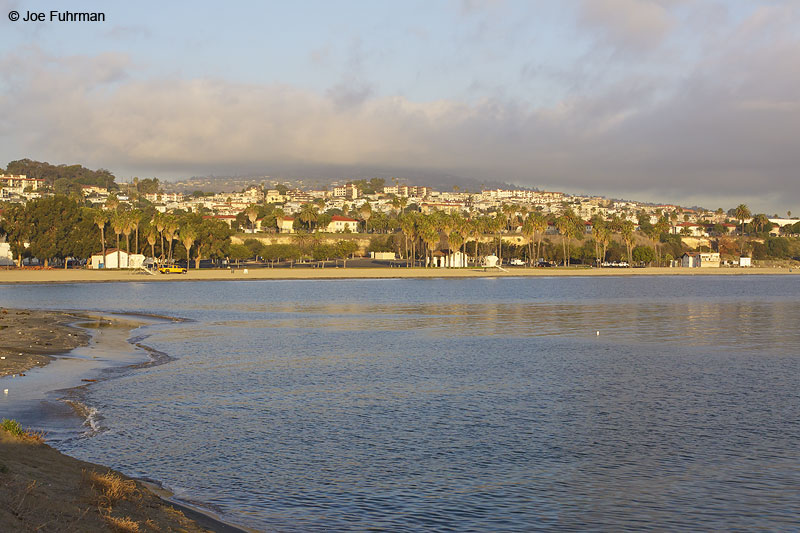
{"x": 745, "y": 262}
{"x": 448, "y": 259}
{"x": 700, "y": 260}
{"x": 285, "y": 224}
{"x": 126, "y": 260}
{"x": 6, "y": 257}
{"x": 340, "y": 224}
{"x": 383, "y": 256}
{"x": 491, "y": 261}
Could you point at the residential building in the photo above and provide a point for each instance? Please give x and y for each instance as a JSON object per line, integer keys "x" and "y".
{"x": 341, "y": 224}
{"x": 349, "y": 191}
{"x": 285, "y": 224}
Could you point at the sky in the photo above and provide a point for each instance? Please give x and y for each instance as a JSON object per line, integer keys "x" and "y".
{"x": 693, "y": 102}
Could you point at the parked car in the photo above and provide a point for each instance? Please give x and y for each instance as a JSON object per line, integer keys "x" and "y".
{"x": 516, "y": 262}
{"x": 172, "y": 269}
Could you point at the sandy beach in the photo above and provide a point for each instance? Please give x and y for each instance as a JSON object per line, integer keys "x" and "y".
{"x": 42, "y": 489}
{"x": 304, "y": 272}
{"x": 30, "y": 338}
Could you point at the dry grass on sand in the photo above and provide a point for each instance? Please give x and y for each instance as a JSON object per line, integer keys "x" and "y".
{"x": 44, "y": 490}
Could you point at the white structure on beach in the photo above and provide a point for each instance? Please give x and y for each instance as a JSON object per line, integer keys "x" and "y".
{"x": 491, "y": 261}
{"x": 126, "y": 260}
{"x": 383, "y": 256}
{"x": 700, "y": 260}
{"x": 6, "y": 257}
{"x": 448, "y": 259}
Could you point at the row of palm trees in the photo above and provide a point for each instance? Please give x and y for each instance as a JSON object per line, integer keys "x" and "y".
{"x": 161, "y": 228}
{"x": 422, "y": 232}
{"x": 426, "y": 231}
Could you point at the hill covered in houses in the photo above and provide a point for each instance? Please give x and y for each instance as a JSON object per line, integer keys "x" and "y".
{"x": 51, "y": 212}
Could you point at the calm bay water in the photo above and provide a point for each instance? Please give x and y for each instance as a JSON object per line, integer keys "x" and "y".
{"x": 484, "y": 404}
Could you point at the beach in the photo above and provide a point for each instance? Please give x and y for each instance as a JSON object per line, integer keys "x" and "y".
{"x": 30, "y": 338}
{"x": 306, "y": 272}
{"x": 42, "y": 489}
{"x": 45, "y": 490}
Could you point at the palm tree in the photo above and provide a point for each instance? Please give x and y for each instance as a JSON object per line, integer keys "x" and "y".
{"x": 151, "y": 236}
{"x": 598, "y": 224}
{"x": 452, "y": 225}
{"x": 508, "y": 211}
{"x": 252, "y": 216}
{"x": 602, "y": 233}
{"x": 100, "y": 218}
{"x": 626, "y": 230}
{"x": 562, "y": 225}
{"x": 160, "y": 223}
{"x": 760, "y": 221}
{"x": 112, "y": 203}
{"x": 366, "y": 212}
{"x": 408, "y": 227}
{"x": 429, "y": 235}
{"x": 496, "y": 225}
{"x": 529, "y": 231}
{"x": 118, "y": 224}
{"x": 188, "y": 235}
{"x": 170, "y": 230}
{"x": 136, "y": 219}
{"x": 308, "y": 215}
{"x": 476, "y": 227}
{"x": 742, "y": 213}
{"x": 127, "y": 229}
{"x": 539, "y": 224}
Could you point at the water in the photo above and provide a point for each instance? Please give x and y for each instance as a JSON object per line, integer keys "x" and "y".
{"x": 482, "y": 404}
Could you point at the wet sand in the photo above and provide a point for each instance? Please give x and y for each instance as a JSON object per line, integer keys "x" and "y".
{"x": 304, "y": 272}
{"x": 31, "y": 338}
{"x": 41, "y": 488}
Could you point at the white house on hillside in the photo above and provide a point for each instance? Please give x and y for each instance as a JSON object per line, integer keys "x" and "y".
{"x": 340, "y": 224}
{"x": 285, "y": 225}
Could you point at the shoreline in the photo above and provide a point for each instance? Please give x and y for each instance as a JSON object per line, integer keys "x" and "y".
{"x": 34, "y": 338}
{"x": 28, "y": 276}
{"x": 68, "y": 334}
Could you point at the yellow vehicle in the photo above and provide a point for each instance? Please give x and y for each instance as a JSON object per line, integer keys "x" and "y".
{"x": 172, "y": 269}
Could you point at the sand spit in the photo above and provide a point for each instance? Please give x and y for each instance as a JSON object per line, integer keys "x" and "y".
{"x": 304, "y": 272}
{"x": 30, "y": 338}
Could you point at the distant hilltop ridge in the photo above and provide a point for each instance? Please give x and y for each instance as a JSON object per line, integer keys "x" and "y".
{"x": 317, "y": 179}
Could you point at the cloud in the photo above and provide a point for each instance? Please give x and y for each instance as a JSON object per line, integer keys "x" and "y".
{"x": 469, "y": 7}
{"x": 629, "y": 26}
{"x": 724, "y": 132}
{"x": 129, "y": 32}
{"x": 349, "y": 94}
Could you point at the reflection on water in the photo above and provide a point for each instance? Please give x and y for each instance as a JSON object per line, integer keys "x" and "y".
{"x": 752, "y": 326}
{"x": 469, "y": 405}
